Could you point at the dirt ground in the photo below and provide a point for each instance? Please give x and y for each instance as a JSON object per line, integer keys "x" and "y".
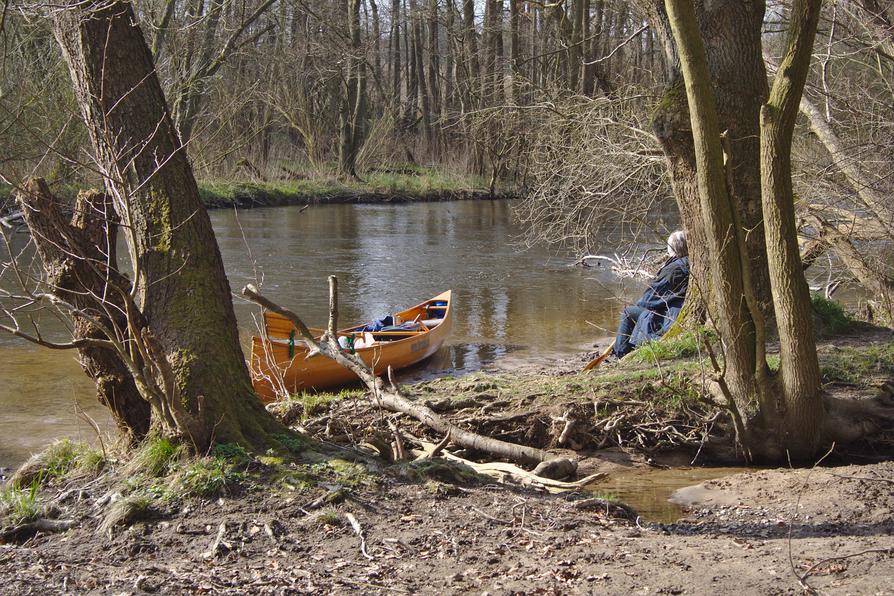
{"x": 757, "y": 532}
{"x": 391, "y": 529}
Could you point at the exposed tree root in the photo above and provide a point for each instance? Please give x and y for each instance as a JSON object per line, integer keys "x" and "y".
{"x": 24, "y": 531}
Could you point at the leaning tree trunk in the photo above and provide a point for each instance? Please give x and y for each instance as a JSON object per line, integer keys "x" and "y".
{"x": 799, "y": 374}
{"x": 179, "y": 275}
{"x": 82, "y": 269}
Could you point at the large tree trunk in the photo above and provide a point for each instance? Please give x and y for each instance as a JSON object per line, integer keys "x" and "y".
{"x": 734, "y": 314}
{"x": 179, "y": 276}
{"x": 802, "y": 406}
{"x": 82, "y": 269}
{"x": 731, "y": 31}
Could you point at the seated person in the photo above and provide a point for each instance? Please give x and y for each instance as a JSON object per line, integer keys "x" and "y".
{"x": 659, "y": 306}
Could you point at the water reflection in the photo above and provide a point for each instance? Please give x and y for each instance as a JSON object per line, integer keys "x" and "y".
{"x": 513, "y": 307}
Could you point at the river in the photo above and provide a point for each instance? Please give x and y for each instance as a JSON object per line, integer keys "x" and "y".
{"x": 514, "y": 308}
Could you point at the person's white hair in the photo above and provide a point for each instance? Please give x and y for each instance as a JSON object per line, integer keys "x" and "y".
{"x": 676, "y": 244}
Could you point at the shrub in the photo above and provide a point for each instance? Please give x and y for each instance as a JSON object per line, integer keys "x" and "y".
{"x": 830, "y": 316}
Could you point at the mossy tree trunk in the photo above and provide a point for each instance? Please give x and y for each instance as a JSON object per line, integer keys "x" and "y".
{"x": 179, "y": 277}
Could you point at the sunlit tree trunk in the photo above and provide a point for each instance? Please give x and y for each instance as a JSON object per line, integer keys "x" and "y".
{"x": 179, "y": 275}
{"x": 799, "y": 374}
{"x": 722, "y": 249}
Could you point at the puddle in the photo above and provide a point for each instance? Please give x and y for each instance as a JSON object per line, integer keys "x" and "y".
{"x": 649, "y": 490}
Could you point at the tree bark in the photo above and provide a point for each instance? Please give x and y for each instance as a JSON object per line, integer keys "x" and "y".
{"x": 731, "y": 31}
{"x": 179, "y": 277}
{"x": 728, "y": 306}
{"x": 82, "y": 269}
{"x": 802, "y": 406}
{"x": 353, "y": 111}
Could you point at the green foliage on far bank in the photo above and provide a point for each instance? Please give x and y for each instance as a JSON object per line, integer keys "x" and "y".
{"x": 405, "y": 180}
{"x": 415, "y": 182}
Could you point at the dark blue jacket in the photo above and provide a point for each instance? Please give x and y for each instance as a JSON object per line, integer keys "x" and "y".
{"x": 662, "y": 301}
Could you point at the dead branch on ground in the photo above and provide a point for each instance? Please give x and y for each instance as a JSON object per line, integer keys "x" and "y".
{"x": 393, "y": 399}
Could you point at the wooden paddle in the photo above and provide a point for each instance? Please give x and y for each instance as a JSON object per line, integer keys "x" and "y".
{"x": 599, "y": 359}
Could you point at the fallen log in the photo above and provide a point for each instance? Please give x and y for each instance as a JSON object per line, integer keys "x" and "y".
{"x": 391, "y": 397}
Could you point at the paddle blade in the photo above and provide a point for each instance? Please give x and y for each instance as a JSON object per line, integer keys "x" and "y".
{"x": 598, "y": 359}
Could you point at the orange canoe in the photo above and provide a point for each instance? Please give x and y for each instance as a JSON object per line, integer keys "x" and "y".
{"x": 278, "y": 364}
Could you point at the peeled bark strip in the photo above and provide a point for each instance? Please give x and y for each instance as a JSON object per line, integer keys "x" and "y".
{"x": 81, "y": 267}
{"x": 392, "y": 399}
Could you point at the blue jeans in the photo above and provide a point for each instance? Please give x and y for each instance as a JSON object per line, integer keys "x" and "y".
{"x": 625, "y": 329}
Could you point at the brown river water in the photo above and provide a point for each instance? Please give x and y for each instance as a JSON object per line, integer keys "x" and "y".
{"x": 514, "y": 308}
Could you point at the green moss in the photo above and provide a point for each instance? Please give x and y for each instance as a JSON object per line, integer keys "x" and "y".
{"x": 160, "y": 215}
{"x": 292, "y": 442}
{"x": 350, "y": 474}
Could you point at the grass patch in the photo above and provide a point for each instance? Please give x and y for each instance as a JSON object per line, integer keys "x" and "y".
{"x": 21, "y": 505}
{"x": 683, "y": 345}
{"x": 350, "y": 474}
{"x": 156, "y": 457}
{"x": 314, "y": 403}
{"x": 861, "y": 366}
{"x": 132, "y": 508}
{"x": 206, "y": 477}
{"x": 66, "y": 458}
{"x": 233, "y": 453}
{"x": 329, "y": 517}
